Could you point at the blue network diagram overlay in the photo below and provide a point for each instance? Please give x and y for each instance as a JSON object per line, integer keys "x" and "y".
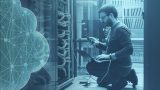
{"x": 23, "y": 50}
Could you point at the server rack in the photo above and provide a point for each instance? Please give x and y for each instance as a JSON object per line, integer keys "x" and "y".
{"x": 56, "y": 24}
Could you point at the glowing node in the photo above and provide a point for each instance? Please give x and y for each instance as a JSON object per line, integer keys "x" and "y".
{"x": 27, "y": 34}
{"x": 13, "y": 1}
{"x": 25, "y": 64}
{"x": 13, "y": 20}
{"x": 12, "y": 66}
{"x": 5, "y": 40}
{"x": 42, "y": 62}
{"x": 20, "y": 57}
{"x": 25, "y": 12}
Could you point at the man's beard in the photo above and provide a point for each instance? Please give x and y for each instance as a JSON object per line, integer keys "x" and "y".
{"x": 107, "y": 24}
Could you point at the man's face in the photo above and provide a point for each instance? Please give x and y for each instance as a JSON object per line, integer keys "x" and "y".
{"x": 105, "y": 19}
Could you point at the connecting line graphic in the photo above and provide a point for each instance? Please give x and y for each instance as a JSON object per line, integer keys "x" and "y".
{"x": 23, "y": 50}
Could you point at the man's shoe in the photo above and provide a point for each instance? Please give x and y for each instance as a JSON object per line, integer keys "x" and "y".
{"x": 132, "y": 77}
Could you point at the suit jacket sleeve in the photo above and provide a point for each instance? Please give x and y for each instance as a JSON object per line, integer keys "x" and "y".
{"x": 123, "y": 35}
{"x": 101, "y": 46}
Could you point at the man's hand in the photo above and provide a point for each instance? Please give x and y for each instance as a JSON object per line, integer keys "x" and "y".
{"x": 93, "y": 40}
{"x": 103, "y": 57}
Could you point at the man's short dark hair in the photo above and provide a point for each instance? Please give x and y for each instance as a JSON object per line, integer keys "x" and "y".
{"x": 109, "y": 9}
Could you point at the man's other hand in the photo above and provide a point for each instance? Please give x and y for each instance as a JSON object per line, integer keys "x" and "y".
{"x": 103, "y": 57}
{"x": 93, "y": 40}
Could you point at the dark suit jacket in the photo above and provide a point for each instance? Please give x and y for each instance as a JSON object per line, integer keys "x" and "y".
{"x": 120, "y": 44}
